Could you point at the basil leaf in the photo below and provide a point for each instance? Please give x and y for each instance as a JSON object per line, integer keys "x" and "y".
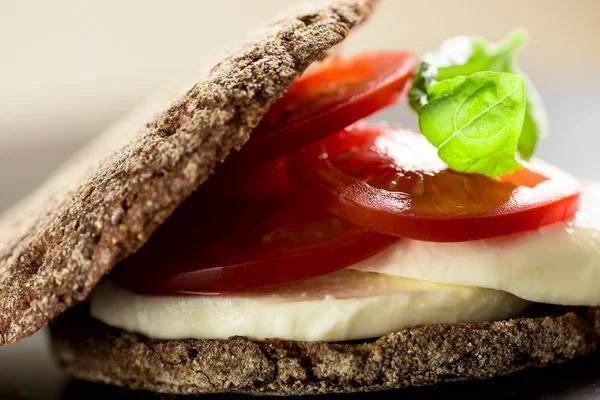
{"x": 535, "y": 126}
{"x": 465, "y": 56}
{"x": 475, "y": 121}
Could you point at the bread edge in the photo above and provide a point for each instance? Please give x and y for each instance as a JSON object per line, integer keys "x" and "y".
{"x": 90, "y": 350}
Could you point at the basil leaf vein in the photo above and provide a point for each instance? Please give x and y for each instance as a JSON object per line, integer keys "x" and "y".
{"x": 451, "y": 71}
{"x": 474, "y": 121}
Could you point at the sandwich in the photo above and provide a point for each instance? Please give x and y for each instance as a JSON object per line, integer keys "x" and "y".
{"x": 260, "y": 235}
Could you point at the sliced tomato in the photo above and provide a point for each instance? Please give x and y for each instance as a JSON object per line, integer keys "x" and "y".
{"x": 223, "y": 245}
{"x": 390, "y": 180}
{"x": 327, "y": 99}
{"x": 265, "y": 179}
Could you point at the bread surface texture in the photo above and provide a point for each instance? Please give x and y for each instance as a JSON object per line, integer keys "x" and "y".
{"x": 91, "y": 350}
{"x": 104, "y": 203}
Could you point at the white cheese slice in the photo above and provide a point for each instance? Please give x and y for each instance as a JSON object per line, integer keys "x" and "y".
{"x": 559, "y": 264}
{"x": 345, "y": 305}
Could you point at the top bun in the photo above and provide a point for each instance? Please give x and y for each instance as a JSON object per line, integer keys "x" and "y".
{"x": 105, "y": 202}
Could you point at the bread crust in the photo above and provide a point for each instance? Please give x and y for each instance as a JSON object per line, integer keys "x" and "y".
{"x": 91, "y": 350}
{"x": 104, "y": 203}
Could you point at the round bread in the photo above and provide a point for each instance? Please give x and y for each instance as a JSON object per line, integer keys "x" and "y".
{"x": 105, "y": 202}
{"x": 88, "y": 349}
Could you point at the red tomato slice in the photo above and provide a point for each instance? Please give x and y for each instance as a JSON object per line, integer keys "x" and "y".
{"x": 327, "y": 99}
{"x": 390, "y": 180}
{"x": 223, "y": 246}
{"x": 265, "y": 179}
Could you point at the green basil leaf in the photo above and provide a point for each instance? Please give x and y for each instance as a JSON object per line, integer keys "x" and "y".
{"x": 475, "y": 121}
{"x": 465, "y": 56}
{"x": 535, "y": 126}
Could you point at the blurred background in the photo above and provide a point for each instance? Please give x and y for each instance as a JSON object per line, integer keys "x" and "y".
{"x": 68, "y": 68}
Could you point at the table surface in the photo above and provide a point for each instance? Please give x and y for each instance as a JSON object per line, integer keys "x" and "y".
{"x": 28, "y": 373}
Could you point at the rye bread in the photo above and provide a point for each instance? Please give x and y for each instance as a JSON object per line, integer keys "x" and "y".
{"x": 90, "y": 350}
{"x": 104, "y": 203}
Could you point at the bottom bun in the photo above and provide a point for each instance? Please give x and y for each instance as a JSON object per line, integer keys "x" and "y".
{"x": 88, "y": 349}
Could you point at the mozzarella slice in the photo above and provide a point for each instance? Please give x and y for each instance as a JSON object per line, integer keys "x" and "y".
{"x": 345, "y": 305}
{"x": 559, "y": 264}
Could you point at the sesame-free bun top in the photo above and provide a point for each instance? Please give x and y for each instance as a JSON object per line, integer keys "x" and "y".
{"x": 104, "y": 203}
